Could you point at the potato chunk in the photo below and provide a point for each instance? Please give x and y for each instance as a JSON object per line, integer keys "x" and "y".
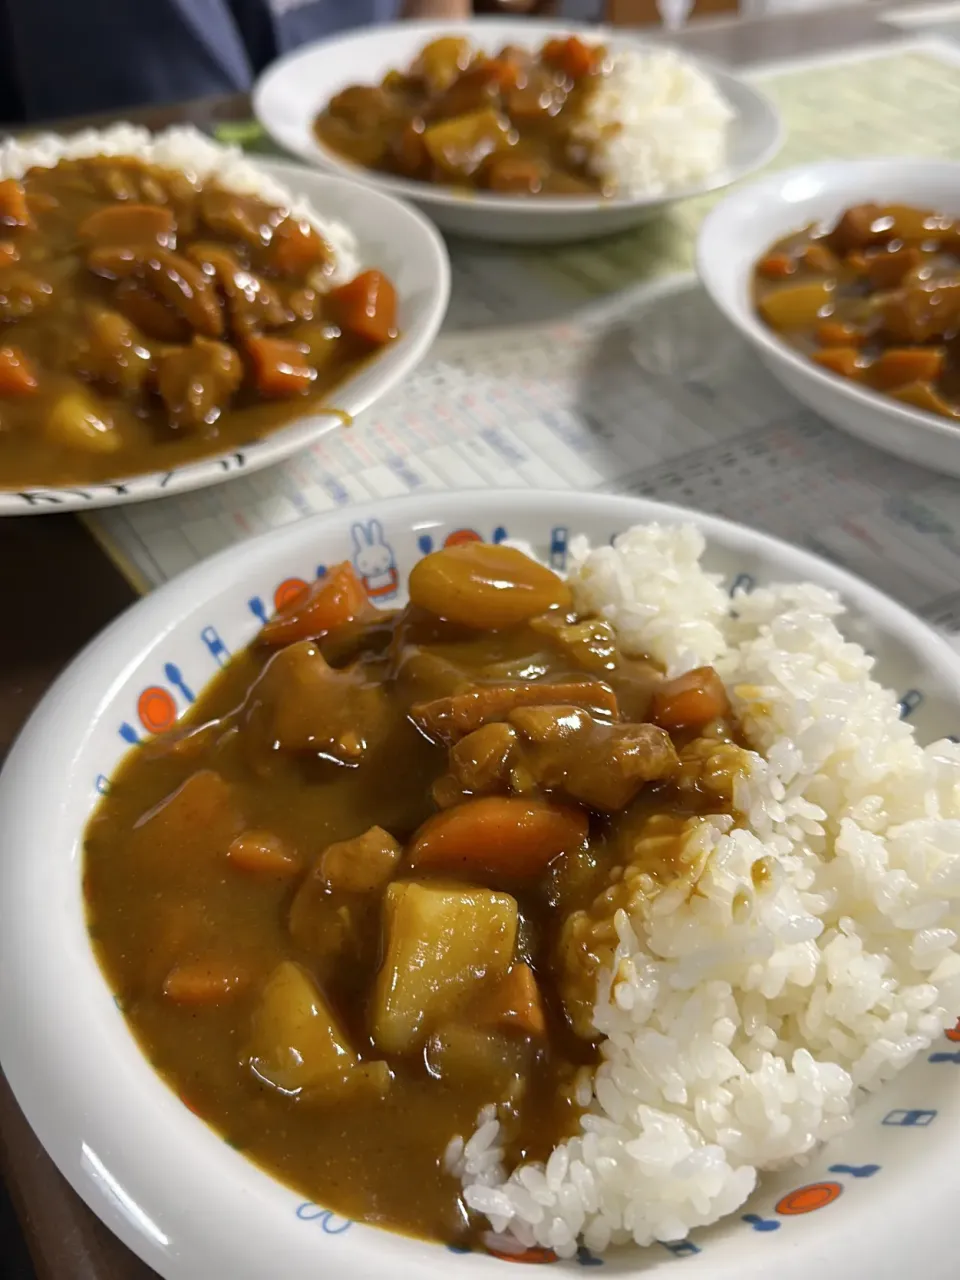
{"x": 442, "y": 943}
{"x": 297, "y": 1044}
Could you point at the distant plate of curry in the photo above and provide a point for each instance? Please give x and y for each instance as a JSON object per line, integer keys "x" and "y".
{"x": 532, "y": 132}
{"x": 171, "y": 314}
{"x": 873, "y": 296}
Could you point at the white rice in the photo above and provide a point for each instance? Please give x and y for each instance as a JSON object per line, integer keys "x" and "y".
{"x": 190, "y": 151}
{"x": 656, "y": 123}
{"x": 741, "y": 1021}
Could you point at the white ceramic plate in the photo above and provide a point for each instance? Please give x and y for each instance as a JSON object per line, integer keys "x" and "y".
{"x": 736, "y": 233}
{"x": 392, "y": 236}
{"x": 293, "y": 90}
{"x": 878, "y": 1204}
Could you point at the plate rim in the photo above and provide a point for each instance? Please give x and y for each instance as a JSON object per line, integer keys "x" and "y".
{"x": 75, "y": 692}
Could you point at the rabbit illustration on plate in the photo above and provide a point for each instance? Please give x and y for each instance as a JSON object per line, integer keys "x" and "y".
{"x": 374, "y": 561}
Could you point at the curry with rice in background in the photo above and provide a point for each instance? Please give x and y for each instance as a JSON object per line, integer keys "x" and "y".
{"x": 149, "y": 318}
{"x": 366, "y": 888}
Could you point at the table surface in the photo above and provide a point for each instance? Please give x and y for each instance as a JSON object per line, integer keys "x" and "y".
{"x": 57, "y": 611}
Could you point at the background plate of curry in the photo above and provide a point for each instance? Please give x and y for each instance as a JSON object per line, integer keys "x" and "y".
{"x": 844, "y": 278}
{"x": 522, "y": 132}
{"x": 175, "y": 314}
{"x": 542, "y": 910}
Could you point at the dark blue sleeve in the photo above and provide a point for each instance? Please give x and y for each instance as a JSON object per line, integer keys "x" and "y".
{"x": 73, "y": 57}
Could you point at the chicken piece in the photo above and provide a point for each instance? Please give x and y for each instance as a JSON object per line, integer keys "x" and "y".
{"x": 235, "y": 217}
{"x": 113, "y": 351}
{"x": 447, "y": 719}
{"x": 177, "y": 281}
{"x": 300, "y": 703}
{"x": 480, "y": 762}
{"x": 251, "y": 303}
{"x": 150, "y": 314}
{"x": 442, "y": 943}
{"x": 855, "y": 230}
{"x": 197, "y": 382}
{"x": 601, "y": 765}
{"x": 363, "y": 864}
{"x": 22, "y": 294}
{"x": 365, "y": 108}
{"x": 298, "y": 1046}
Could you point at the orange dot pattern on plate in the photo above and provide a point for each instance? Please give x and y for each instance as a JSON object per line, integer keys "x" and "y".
{"x": 288, "y": 591}
{"x": 817, "y": 1195}
{"x": 157, "y": 709}
{"x": 459, "y": 536}
{"x": 533, "y": 1255}
{"x": 954, "y": 1034}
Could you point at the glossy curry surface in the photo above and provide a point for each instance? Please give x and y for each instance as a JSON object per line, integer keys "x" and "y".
{"x": 148, "y": 320}
{"x": 456, "y": 116}
{"x": 367, "y": 887}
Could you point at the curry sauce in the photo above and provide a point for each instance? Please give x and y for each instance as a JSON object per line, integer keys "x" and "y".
{"x": 367, "y": 886}
{"x": 510, "y": 124}
{"x": 148, "y": 319}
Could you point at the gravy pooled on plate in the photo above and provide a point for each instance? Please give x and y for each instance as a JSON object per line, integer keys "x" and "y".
{"x": 148, "y": 319}
{"x": 875, "y": 298}
{"x": 366, "y": 888}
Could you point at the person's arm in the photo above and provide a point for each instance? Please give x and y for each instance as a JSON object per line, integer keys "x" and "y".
{"x": 437, "y": 9}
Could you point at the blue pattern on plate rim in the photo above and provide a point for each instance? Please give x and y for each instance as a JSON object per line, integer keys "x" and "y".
{"x": 377, "y": 565}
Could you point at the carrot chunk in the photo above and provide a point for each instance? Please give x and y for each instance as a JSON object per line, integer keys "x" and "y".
{"x": 263, "y": 853}
{"x": 514, "y": 1004}
{"x": 297, "y": 246}
{"x": 204, "y": 983}
{"x": 14, "y": 211}
{"x": 837, "y": 333}
{"x": 329, "y": 602}
{"x": 777, "y": 266}
{"x": 498, "y": 836}
{"x": 280, "y": 367}
{"x": 366, "y": 307}
{"x": 900, "y": 365}
{"x": 571, "y": 56}
{"x": 9, "y": 253}
{"x": 690, "y": 701}
{"x": 17, "y": 376}
{"x": 847, "y": 361}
